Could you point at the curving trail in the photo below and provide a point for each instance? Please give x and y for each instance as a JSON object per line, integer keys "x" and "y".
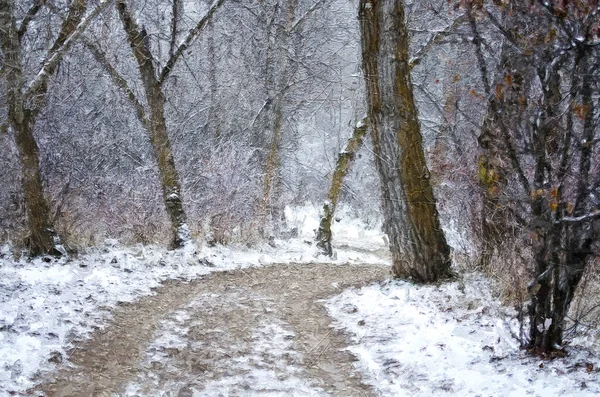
{"x": 251, "y": 332}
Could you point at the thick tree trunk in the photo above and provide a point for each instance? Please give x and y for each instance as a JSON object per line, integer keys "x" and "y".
{"x": 419, "y": 248}
{"x": 22, "y": 112}
{"x": 169, "y": 176}
{"x": 159, "y": 137}
{"x": 342, "y": 166}
{"x": 42, "y": 237}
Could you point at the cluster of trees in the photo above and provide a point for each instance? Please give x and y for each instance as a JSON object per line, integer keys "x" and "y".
{"x": 507, "y": 91}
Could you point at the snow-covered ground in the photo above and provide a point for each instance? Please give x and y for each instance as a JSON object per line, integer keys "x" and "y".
{"x": 451, "y": 340}
{"x": 46, "y": 305}
{"x": 454, "y": 339}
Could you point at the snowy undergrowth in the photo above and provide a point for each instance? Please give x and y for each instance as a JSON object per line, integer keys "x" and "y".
{"x": 450, "y": 340}
{"x": 47, "y": 305}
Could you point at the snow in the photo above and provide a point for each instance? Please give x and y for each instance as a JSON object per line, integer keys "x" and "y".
{"x": 47, "y": 305}
{"x": 453, "y": 340}
{"x": 271, "y": 344}
{"x": 267, "y": 370}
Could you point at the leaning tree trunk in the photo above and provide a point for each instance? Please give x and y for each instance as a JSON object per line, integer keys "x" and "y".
{"x": 41, "y": 235}
{"x": 419, "y": 248}
{"x": 342, "y": 166}
{"x": 159, "y": 138}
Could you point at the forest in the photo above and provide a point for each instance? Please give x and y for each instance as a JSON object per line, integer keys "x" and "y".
{"x": 299, "y": 197}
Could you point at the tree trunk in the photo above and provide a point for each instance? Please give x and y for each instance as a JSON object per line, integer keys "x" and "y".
{"x": 419, "y": 248}
{"x": 159, "y": 138}
{"x": 277, "y": 76}
{"x": 563, "y": 252}
{"x": 42, "y": 237}
{"x": 24, "y": 107}
{"x": 213, "y": 122}
{"x": 272, "y": 167}
{"x": 342, "y": 167}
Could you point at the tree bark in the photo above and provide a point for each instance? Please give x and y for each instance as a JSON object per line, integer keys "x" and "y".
{"x": 159, "y": 137}
{"x": 418, "y": 245}
{"x": 278, "y": 73}
{"x": 344, "y": 161}
{"x": 24, "y": 105}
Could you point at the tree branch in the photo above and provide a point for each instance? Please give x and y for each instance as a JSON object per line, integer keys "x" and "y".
{"x": 29, "y": 17}
{"x": 76, "y": 12}
{"x": 305, "y": 16}
{"x": 435, "y": 40}
{"x": 188, "y": 40}
{"x": 478, "y": 42}
{"x": 52, "y": 59}
{"x": 174, "y": 26}
{"x": 509, "y": 36}
{"x": 119, "y": 80}
{"x": 595, "y": 214}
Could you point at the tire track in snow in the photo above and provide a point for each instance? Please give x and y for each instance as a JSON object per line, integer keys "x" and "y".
{"x": 259, "y": 331}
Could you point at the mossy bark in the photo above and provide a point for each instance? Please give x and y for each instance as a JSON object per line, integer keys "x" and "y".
{"x": 24, "y": 105}
{"x": 344, "y": 161}
{"x": 418, "y": 245}
{"x": 159, "y": 137}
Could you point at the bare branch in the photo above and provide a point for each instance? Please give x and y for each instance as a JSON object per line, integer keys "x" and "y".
{"x": 305, "y": 16}
{"x": 54, "y": 57}
{"x": 595, "y": 214}
{"x": 509, "y": 35}
{"x": 188, "y": 40}
{"x": 29, "y": 17}
{"x": 119, "y": 80}
{"x": 478, "y": 42}
{"x": 436, "y": 39}
{"x": 174, "y": 26}
{"x": 76, "y": 12}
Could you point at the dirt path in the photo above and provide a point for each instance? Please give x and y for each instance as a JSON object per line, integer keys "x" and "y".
{"x": 257, "y": 331}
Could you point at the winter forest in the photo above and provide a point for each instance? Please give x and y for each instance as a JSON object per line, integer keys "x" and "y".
{"x": 299, "y": 197}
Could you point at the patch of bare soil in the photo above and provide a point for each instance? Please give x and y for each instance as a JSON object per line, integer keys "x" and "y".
{"x": 212, "y": 325}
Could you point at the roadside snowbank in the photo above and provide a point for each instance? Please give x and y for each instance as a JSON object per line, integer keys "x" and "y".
{"x": 451, "y": 340}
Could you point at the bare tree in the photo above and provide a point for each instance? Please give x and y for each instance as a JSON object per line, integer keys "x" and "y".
{"x": 538, "y": 144}
{"x": 153, "y": 77}
{"x": 343, "y": 164}
{"x": 419, "y": 248}
{"x": 26, "y": 100}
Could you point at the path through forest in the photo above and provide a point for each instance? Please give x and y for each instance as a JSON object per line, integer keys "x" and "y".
{"x": 259, "y": 331}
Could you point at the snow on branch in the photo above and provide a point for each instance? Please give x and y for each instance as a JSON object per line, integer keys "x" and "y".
{"x": 595, "y": 214}
{"x": 188, "y": 40}
{"x": 56, "y": 55}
